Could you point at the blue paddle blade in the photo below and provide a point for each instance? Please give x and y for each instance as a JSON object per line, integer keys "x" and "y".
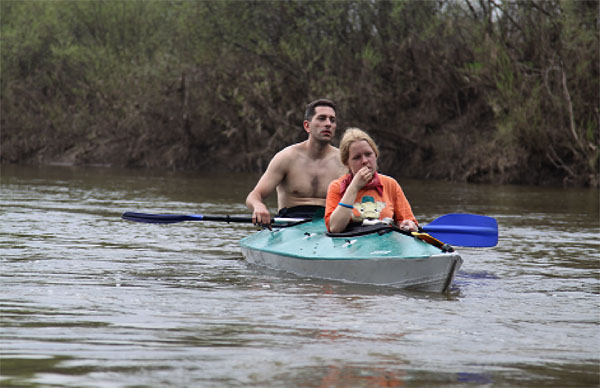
{"x": 465, "y": 230}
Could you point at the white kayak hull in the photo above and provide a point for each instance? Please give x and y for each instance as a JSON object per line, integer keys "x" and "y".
{"x": 432, "y": 274}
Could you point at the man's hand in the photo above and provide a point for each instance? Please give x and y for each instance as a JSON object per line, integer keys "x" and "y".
{"x": 261, "y": 216}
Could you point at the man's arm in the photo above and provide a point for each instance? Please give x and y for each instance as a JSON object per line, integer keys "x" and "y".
{"x": 266, "y": 185}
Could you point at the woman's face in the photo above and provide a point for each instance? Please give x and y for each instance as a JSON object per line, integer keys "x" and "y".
{"x": 361, "y": 154}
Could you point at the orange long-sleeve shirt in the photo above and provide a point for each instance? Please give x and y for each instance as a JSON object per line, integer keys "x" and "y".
{"x": 370, "y": 204}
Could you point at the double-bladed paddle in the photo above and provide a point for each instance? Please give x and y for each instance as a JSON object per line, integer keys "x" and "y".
{"x": 466, "y": 230}
{"x": 174, "y": 218}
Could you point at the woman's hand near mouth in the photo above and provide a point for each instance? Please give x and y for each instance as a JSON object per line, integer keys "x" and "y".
{"x": 362, "y": 177}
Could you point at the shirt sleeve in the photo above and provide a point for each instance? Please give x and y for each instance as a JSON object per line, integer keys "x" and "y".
{"x": 333, "y": 198}
{"x": 402, "y": 209}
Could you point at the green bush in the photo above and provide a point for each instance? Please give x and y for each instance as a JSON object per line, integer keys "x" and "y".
{"x": 482, "y": 91}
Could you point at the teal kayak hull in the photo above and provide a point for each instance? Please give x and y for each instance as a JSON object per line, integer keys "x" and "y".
{"x": 389, "y": 259}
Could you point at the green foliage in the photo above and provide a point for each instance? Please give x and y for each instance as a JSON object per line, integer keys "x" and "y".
{"x": 503, "y": 91}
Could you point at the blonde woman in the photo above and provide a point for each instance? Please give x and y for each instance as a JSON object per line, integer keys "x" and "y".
{"x": 363, "y": 193}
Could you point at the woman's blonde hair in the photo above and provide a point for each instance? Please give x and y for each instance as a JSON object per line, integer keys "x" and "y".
{"x": 350, "y": 136}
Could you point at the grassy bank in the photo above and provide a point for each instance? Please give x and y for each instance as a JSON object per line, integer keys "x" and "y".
{"x": 477, "y": 91}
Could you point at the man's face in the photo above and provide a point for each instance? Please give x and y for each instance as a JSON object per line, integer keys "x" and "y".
{"x": 322, "y": 125}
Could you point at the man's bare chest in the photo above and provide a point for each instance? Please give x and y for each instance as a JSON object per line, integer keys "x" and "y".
{"x": 308, "y": 182}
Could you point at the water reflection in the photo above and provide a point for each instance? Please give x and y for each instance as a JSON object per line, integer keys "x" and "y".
{"x": 352, "y": 376}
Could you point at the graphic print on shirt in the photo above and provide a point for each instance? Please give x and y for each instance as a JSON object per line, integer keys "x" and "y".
{"x": 368, "y": 209}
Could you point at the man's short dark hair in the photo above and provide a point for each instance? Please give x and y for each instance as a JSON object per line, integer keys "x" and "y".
{"x": 310, "y": 108}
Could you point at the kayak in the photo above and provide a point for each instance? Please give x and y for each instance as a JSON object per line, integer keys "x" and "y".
{"x": 376, "y": 254}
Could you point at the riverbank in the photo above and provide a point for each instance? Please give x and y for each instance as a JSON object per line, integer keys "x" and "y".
{"x": 173, "y": 158}
{"x": 447, "y": 91}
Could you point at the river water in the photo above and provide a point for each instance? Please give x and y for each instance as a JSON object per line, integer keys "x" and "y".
{"x": 90, "y": 300}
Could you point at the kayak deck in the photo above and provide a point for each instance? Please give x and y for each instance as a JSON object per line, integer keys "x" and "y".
{"x": 388, "y": 258}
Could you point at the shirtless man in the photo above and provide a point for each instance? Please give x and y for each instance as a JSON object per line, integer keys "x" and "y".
{"x": 301, "y": 172}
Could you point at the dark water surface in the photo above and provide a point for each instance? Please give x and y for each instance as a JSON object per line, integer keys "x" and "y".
{"x": 90, "y": 300}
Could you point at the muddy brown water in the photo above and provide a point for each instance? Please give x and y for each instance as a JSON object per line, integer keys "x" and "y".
{"x": 90, "y": 300}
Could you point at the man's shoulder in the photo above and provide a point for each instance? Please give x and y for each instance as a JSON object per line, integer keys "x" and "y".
{"x": 286, "y": 152}
{"x": 333, "y": 150}
{"x": 292, "y": 149}
{"x": 299, "y": 153}
{"x": 283, "y": 159}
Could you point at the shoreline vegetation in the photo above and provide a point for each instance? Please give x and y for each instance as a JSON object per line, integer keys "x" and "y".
{"x": 487, "y": 91}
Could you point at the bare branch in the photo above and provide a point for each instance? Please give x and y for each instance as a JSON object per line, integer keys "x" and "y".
{"x": 471, "y": 8}
{"x": 570, "y": 108}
